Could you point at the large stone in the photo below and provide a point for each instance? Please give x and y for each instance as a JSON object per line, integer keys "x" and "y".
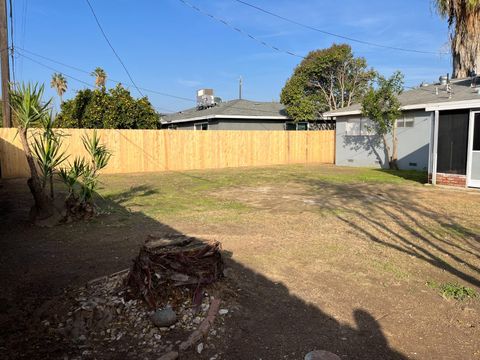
{"x": 321, "y": 355}
{"x": 164, "y": 317}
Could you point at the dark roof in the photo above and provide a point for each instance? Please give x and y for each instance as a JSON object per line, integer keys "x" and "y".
{"x": 233, "y": 108}
{"x": 424, "y": 96}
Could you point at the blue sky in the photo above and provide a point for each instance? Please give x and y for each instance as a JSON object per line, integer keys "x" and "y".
{"x": 171, "y": 48}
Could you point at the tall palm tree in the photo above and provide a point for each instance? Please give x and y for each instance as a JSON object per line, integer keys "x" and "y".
{"x": 464, "y": 21}
{"x": 100, "y": 77}
{"x": 59, "y": 83}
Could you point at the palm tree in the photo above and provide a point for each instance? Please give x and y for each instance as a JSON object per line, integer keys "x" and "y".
{"x": 100, "y": 77}
{"x": 464, "y": 21}
{"x": 60, "y": 84}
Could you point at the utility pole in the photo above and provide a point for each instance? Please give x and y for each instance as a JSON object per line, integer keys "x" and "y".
{"x": 240, "y": 88}
{"x": 5, "y": 68}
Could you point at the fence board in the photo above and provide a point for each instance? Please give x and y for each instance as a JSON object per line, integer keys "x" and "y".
{"x": 167, "y": 150}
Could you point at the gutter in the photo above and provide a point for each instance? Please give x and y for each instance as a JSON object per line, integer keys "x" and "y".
{"x": 207, "y": 117}
{"x": 446, "y": 105}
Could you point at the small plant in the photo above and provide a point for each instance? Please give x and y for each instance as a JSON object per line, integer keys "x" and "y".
{"x": 453, "y": 290}
{"x": 47, "y": 149}
{"x": 81, "y": 178}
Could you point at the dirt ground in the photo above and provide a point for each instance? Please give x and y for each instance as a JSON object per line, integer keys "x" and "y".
{"x": 322, "y": 258}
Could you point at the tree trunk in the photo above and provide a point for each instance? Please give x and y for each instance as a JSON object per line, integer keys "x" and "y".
{"x": 43, "y": 207}
{"x": 387, "y": 151}
{"x": 394, "y": 160}
{"x": 466, "y": 44}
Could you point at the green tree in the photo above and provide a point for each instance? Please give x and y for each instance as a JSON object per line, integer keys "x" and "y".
{"x": 59, "y": 83}
{"x": 100, "y": 77}
{"x": 381, "y": 105}
{"x": 113, "y": 109}
{"x": 464, "y": 22}
{"x": 326, "y": 79}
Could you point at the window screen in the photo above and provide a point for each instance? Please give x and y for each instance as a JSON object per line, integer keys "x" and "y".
{"x": 201, "y": 126}
{"x": 406, "y": 121}
{"x": 452, "y": 142}
{"x": 476, "y": 133}
{"x": 302, "y": 126}
{"x": 290, "y": 126}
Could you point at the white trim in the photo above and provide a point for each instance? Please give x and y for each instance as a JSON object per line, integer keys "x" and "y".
{"x": 447, "y": 105}
{"x": 453, "y": 105}
{"x": 207, "y": 117}
{"x": 435, "y": 147}
{"x": 471, "y": 128}
{"x": 430, "y": 146}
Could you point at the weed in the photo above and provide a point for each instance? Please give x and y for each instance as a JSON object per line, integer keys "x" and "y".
{"x": 453, "y": 290}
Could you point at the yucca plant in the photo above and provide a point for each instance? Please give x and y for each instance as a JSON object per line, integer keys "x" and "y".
{"x": 47, "y": 148}
{"x": 81, "y": 178}
{"x": 29, "y": 110}
{"x": 70, "y": 176}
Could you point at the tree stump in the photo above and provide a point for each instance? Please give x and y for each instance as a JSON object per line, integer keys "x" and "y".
{"x": 174, "y": 260}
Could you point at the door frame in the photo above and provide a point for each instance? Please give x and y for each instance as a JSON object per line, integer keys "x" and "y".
{"x": 471, "y": 182}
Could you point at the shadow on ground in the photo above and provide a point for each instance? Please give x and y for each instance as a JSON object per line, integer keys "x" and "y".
{"x": 39, "y": 263}
{"x": 395, "y": 218}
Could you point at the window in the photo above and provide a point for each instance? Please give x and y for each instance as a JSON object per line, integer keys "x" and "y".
{"x": 201, "y": 126}
{"x": 406, "y": 121}
{"x": 358, "y": 127}
{"x": 172, "y": 127}
{"x": 300, "y": 126}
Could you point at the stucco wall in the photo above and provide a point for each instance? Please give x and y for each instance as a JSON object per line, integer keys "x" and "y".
{"x": 368, "y": 150}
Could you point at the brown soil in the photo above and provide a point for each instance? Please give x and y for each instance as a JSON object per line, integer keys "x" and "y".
{"x": 315, "y": 265}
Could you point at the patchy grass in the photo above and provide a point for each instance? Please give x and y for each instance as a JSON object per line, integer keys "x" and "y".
{"x": 188, "y": 193}
{"x": 453, "y": 290}
{"x": 389, "y": 268}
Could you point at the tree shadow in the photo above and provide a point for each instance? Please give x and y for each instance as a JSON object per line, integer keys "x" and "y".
{"x": 395, "y": 219}
{"x": 39, "y": 263}
{"x": 420, "y": 177}
{"x": 363, "y": 145}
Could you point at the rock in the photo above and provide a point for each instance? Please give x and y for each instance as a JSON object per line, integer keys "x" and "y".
{"x": 172, "y": 355}
{"x": 164, "y": 318}
{"x": 222, "y": 311}
{"x": 228, "y": 272}
{"x": 321, "y": 355}
{"x": 200, "y": 348}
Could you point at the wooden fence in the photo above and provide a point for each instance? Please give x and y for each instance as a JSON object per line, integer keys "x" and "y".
{"x": 169, "y": 150}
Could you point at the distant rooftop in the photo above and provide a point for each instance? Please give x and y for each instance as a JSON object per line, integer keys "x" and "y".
{"x": 424, "y": 96}
{"x": 231, "y": 109}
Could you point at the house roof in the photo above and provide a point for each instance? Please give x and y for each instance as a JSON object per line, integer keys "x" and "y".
{"x": 463, "y": 95}
{"x": 234, "y": 109}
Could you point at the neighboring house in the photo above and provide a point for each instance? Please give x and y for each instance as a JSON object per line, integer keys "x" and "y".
{"x": 237, "y": 115}
{"x": 439, "y": 132}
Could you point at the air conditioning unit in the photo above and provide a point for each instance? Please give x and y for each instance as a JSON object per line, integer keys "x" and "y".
{"x": 205, "y": 98}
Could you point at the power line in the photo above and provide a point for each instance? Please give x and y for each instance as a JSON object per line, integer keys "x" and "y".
{"x": 75, "y": 78}
{"x": 110, "y": 79}
{"x": 11, "y": 41}
{"x": 226, "y": 23}
{"x": 336, "y": 35}
{"x": 111, "y": 47}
